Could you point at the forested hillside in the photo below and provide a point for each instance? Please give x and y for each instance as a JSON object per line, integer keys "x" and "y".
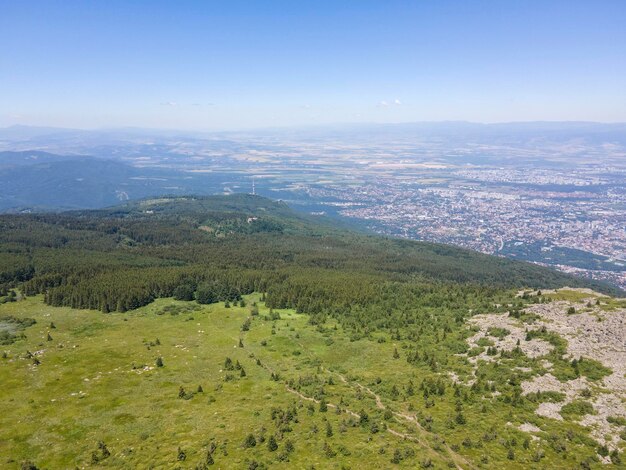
{"x": 125, "y": 257}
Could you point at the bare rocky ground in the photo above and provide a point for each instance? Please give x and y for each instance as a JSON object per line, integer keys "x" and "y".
{"x": 549, "y": 383}
{"x": 590, "y": 332}
{"x": 517, "y": 332}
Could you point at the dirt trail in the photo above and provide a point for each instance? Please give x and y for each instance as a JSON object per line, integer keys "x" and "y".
{"x": 314, "y": 400}
{"x": 403, "y": 435}
{"x": 458, "y": 459}
{"x": 379, "y": 402}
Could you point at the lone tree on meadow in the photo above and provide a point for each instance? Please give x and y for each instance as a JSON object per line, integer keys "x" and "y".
{"x": 159, "y": 361}
{"x": 250, "y": 441}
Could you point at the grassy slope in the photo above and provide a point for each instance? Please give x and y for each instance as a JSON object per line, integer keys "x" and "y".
{"x": 85, "y": 390}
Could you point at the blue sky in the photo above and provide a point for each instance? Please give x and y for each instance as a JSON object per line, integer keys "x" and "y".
{"x": 236, "y": 64}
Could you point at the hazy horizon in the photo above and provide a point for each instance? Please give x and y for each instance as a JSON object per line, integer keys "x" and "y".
{"x": 330, "y": 125}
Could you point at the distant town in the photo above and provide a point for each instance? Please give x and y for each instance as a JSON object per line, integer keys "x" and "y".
{"x": 579, "y": 230}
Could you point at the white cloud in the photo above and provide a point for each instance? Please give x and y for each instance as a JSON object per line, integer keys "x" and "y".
{"x": 169, "y": 103}
{"x": 386, "y": 104}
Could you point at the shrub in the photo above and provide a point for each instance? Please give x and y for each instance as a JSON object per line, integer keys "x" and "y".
{"x": 498, "y": 332}
{"x": 576, "y": 409}
{"x": 617, "y": 420}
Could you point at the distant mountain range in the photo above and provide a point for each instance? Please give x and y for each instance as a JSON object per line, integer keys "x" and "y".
{"x": 556, "y": 130}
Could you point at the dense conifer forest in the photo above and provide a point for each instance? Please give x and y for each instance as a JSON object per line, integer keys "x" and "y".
{"x": 125, "y": 257}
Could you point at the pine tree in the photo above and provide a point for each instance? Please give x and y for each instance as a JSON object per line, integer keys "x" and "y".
{"x": 250, "y": 441}
{"x": 271, "y": 444}
{"x": 159, "y": 361}
{"x": 28, "y": 465}
{"x": 328, "y": 451}
{"x": 397, "y": 456}
{"x": 396, "y": 354}
{"x": 104, "y": 451}
{"x": 329, "y": 429}
{"x": 49, "y": 338}
{"x": 289, "y": 446}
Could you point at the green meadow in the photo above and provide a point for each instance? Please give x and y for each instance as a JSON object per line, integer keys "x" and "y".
{"x": 248, "y": 387}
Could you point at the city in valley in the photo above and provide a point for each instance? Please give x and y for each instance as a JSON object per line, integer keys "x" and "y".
{"x": 550, "y": 193}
